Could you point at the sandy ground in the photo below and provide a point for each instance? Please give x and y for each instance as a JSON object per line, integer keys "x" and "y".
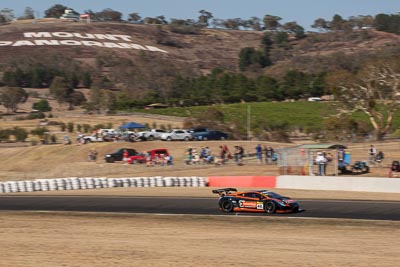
{"x": 83, "y": 239}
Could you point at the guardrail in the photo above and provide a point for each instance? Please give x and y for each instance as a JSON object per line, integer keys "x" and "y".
{"x": 76, "y": 183}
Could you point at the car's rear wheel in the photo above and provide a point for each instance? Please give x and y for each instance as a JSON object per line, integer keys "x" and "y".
{"x": 269, "y": 207}
{"x": 205, "y": 138}
{"x": 222, "y": 138}
{"x": 186, "y": 138}
{"x": 150, "y": 138}
{"x": 227, "y": 206}
{"x": 134, "y": 161}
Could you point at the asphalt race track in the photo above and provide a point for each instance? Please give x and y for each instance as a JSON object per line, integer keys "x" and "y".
{"x": 370, "y": 210}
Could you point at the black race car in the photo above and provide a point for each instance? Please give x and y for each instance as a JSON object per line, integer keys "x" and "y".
{"x": 231, "y": 200}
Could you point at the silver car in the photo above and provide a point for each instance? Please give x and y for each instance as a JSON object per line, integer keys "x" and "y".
{"x": 177, "y": 134}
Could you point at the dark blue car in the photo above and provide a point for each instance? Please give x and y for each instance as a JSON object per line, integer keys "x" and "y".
{"x": 210, "y": 135}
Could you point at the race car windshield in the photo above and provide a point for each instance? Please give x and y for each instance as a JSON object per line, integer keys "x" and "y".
{"x": 273, "y": 195}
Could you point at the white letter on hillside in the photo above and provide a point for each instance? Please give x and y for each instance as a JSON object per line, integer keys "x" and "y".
{"x": 47, "y": 42}
{"x": 92, "y": 43}
{"x": 21, "y": 43}
{"x": 86, "y": 36}
{"x": 123, "y": 37}
{"x": 5, "y": 43}
{"x": 63, "y": 34}
{"x": 156, "y": 49}
{"x": 37, "y": 34}
{"x": 70, "y": 42}
{"x": 134, "y": 46}
{"x": 112, "y": 45}
{"x": 105, "y": 36}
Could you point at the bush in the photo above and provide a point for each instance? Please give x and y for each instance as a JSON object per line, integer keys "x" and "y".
{"x": 42, "y": 105}
{"x": 39, "y": 131}
{"x": 70, "y": 127}
{"x": 63, "y": 126}
{"x": 20, "y": 134}
{"x": 5, "y": 135}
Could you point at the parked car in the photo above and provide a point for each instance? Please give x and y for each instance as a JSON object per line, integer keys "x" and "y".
{"x": 141, "y": 158}
{"x": 210, "y": 135}
{"x": 152, "y": 134}
{"x": 176, "y": 134}
{"x": 199, "y": 130}
{"x": 118, "y": 155}
{"x": 93, "y": 138}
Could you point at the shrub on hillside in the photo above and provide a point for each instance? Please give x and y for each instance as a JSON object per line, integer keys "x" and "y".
{"x": 42, "y": 105}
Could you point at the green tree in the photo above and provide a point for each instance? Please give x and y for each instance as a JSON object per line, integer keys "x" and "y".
{"x": 281, "y": 39}
{"x": 109, "y": 14}
{"x": 60, "y": 90}
{"x": 271, "y": 23}
{"x": 87, "y": 80}
{"x": 20, "y": 134}
{"x": 7, "y": 15}
{"x": 5, "y": 135}
{"x": 29, "y": 13}
{"x": 249, "y": 56}
{"x": 337, "y": 23}
{"x": 10, "y": 97}
{"x": 321, "y": 24}
{"x": 204, "y": 17}
{"x": 255, "y": 23}
{"x": 55, "y": 11}
{"x": 134, "y": 17}
{"x": 70, "y": 127}
{"x": 42, "y": 105}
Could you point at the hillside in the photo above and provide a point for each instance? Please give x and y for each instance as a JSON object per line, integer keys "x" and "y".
{"x": 185, "y": 53}
{"x": 204, "y": 51}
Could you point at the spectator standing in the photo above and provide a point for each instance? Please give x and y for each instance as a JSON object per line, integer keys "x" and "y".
{"x": 269, "y": 153}
{"x": 372, "y": 153}
{"x": 228, "y": 153}
{"x": 259, "y": 153}
{"x": 321, "y": 162}
{"x": 222, "y": 154}
{"x": 238, "y": 155}
{"x": 92, "y": 155}
{"x": 125, "y": 156}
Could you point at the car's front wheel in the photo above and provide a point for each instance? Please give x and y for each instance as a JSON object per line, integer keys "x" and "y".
{"x": 169, "y": 138}
{"x": 110, "y": 160}
{"x": 270, "y": 207}
{"x": 227, "y": 206}
{"x": 186, "y": 138}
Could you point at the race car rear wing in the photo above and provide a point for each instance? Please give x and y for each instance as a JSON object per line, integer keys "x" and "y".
{"x": 224, "y": 191}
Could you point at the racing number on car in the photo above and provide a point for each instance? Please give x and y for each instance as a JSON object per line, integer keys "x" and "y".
{"x": 260, "y": 206}
{"x": 241, "y": 203}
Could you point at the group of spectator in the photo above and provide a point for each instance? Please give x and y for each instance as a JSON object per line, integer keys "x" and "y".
{"x": 205, "y": 155}
{"x": 265, "y": 153}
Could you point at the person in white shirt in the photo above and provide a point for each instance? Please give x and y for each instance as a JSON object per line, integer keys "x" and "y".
{"x": 321, "y": 161}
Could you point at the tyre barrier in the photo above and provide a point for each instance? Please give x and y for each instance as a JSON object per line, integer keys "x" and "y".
{"x": 83, "y": 183}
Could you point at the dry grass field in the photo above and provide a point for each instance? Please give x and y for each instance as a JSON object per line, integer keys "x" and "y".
{"x": 49, "y": 239}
